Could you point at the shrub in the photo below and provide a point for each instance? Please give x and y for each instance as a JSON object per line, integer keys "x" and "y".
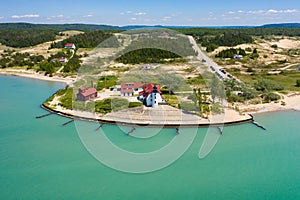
{"x": 188, "y": 106}
{"x": 134, "y": 104}
{"x": 271, "y": 96}
{"x": 216, "y": 108}
{"x": 250, "y": 69}
{"x": 267, "y": 85}
{"x": 298, "y": 83}
{"x": 109, "y": 105}
{"x": 248, "y": 49}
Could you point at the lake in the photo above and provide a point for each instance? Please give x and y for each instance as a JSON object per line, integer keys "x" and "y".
{"x": 41, "y": 159}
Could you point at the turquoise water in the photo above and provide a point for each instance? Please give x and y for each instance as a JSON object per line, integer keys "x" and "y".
{"x": 40, "y": 159}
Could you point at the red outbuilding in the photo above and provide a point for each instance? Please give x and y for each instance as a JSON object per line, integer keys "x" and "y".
{"x": 85, "y": 94}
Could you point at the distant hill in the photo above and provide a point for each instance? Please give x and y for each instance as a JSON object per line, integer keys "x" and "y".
{"x": 284, "y": 25}
{"x": 84, "y": 27}
{"x": 59, "y": 27}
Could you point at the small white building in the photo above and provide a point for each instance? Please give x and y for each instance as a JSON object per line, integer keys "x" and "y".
{"x": 146, "y": 67}
{"x": 238, "y": 57}
{"x": 131, "y": 88}
{"x": 62, "y": 60}
{"x": 70, "y": 46}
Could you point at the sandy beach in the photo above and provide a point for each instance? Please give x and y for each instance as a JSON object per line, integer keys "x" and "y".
{"x": 292, "y": 102}
{"x": 36, "y": 75}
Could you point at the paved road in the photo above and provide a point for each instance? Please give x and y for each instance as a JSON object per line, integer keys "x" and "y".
{"x": 213, "y": 67}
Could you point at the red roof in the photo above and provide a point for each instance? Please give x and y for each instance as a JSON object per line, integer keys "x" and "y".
{"x": 87, "y": 92}
{"x": 148, "y": 89}
{"x": 69, "y": 45}
{"x": 127, "y": 90}
{"x": 131, "y": 85}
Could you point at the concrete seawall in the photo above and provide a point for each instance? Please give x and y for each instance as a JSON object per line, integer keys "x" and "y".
{"x": 141, "y": 123}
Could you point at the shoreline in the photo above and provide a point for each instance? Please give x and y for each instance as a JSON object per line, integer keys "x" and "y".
{"x": 150, "y": 125}
{"x": 252, "y": 109}
{"x": 35, "y": 75}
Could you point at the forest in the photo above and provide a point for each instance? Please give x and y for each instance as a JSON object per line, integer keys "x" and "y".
{"x": 229, "y": 53}
{"x": 212, "y": 38}
{"x": 26, "y": 37}
{"x": 89, "y": 39}
{"x": 147, "y": 55}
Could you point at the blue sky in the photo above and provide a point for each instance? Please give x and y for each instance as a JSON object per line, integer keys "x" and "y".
{"x": 164, "y": 12}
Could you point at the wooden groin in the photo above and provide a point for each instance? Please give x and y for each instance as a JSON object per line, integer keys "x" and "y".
{"x": 220, "y": 130}
{"x": 68, "y": 122}
{"x": 45, "y": 115}
{"x": 258, "y": 125}
{"x": 131, "y": 131}
{"x": 99, "y": 127}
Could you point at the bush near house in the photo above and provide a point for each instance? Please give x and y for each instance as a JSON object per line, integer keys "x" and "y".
{"x": 298, "y": 83}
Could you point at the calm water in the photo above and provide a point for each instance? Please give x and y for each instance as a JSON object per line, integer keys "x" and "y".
{"x": 40, "y": 159}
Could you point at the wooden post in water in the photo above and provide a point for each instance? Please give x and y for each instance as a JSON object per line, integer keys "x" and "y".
{"x": 99, "y": 127}
{"x": 45, "y": 115}
{"x": 72, "y": 120}
{"x": 220, "y": 130}
{"x": 129, "y": 132}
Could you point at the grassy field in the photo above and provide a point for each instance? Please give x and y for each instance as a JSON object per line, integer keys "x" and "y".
{"x": 287, "y": 79}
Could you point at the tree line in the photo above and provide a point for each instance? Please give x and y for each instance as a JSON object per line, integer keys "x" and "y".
{"x": 212, "y": 38}
{"x": 89, "y": 39}
{"x": 26, "y": 37}
{"x": 146, "y": 55}
{"x": 13, "y": 59}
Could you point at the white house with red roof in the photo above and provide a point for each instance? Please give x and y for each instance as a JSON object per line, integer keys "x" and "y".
{"x": 70, "y": 46}
{"x": 151, "y": 96}
{"x": 86, "y": 94}
{"x": 130, "y": 88}
{"x": 61, "y": 59}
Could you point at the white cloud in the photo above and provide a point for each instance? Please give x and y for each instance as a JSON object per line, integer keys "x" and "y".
{"x": 290, "y": 11}
{"x": 166, "y": 18}
{"x": 255, "y": 12}
{"x": 263, "y": 12}
{"x": 25, "y": 16}
{"x": 133, "y": 19}
{"x": 58, "y": 16}
{"x": 88, "y": 15}
{"x": 140, "y": 13}
{"x": 1, "y": 18}
{"x": 272, "y": 11}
